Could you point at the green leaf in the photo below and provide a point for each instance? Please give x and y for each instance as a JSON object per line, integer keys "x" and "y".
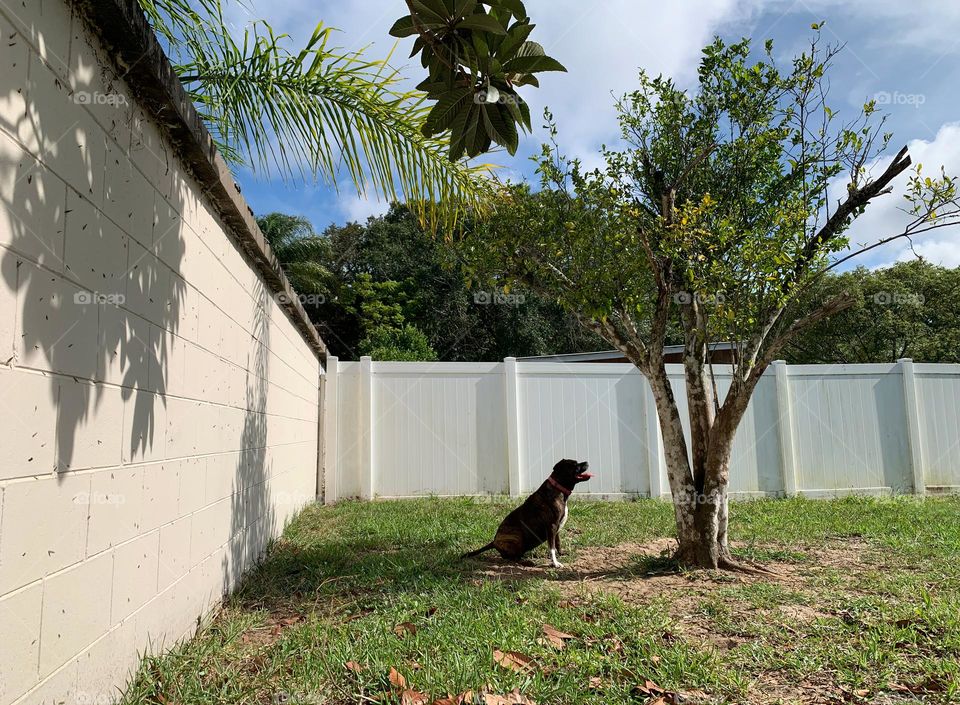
{"x": 404, "y": 27}
{"x": 500, "y": 126}
{"x": 532, "y": 64}
{"x": 482, "y": 22}
{"x": 445, "y": 110}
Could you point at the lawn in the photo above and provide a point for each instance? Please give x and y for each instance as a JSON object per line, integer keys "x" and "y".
{"x": 370, "y": 603}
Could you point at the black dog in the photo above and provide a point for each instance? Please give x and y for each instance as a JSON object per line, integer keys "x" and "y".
{"x": 540, "y": 517}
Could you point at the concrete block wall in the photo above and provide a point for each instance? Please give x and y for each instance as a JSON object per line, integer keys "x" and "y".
{"x": 158, "y": 408}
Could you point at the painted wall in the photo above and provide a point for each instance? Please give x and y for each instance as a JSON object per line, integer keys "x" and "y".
{"x": 399, "y": 429}
{"x": 158, "y": 409}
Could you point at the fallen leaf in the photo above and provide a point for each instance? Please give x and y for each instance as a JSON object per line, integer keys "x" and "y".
{"x": 405, "y": 628}
{"x": 287, "y": 621}
{"x": 465, "y": 698}
{"x": 413, "y": 697}
{"x": 513, "y": 660}
{"x": 396, "y": 679}
{"x": 555, "y": 637}
{"x": 514, "y": 698}
{"x": 353, "y": 666}
{"x": 649, "y": 688}
{"x": 654, "y": 660}
{"x": 430, "y": 612}
{"x": 596, "y": 683}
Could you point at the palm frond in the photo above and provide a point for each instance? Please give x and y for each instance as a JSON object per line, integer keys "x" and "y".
{"x": 321, "y": 112}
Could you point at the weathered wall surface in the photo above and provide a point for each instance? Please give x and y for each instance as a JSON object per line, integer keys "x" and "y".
{"x": 158, "y": 408}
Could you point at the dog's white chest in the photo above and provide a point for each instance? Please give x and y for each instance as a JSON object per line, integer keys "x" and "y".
{"x": 563, "y": 521}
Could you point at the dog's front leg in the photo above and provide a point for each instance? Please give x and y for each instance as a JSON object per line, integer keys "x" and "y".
{"x": 555, "y": 546}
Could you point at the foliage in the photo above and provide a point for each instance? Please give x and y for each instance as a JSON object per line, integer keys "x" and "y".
{"x": 406, "y": 344}
{"x": 476, "y": 59}
{"x": 711, "y": 219}
{"x": 317, "y": 111}
{"x": 910, "y": 309}
{"x": 301, "y": 252}
{"x": 390, "y": 272}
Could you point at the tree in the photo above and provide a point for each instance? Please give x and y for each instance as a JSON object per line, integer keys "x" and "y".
{"x": 354, "y": 276}
{"x": 406, "y": 344}
{"x": 907, "y": 310}
{"x": 302, "y": 253}
{"x": 323, "y": 111}
{"x": 711, "y": 219}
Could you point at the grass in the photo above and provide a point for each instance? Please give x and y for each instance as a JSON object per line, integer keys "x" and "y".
{"x": 864, "y": 606}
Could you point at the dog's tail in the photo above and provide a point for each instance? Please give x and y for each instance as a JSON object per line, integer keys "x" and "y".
{"x": 471, "y": 554}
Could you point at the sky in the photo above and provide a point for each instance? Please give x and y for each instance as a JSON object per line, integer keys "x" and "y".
{"x": 906, "y": 55}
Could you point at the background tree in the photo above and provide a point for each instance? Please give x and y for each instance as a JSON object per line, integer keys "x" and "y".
{"x": 712, "y": 218}
{"x": 907, "y": 310}
{"x": 321, "y": 111}
{"x": 390, "y": 272}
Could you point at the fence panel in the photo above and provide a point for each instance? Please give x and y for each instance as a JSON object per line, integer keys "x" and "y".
{"x": 407, "y": 429}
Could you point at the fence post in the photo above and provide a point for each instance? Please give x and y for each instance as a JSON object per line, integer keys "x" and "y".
{"x": 912, "y": 409}
{"x": 512, "y": 397}
{"x": 654, "y": 443}
{"x": 367, "y": 487}
{"x": 788, "y": 458}
{"x": 331, "y": 489}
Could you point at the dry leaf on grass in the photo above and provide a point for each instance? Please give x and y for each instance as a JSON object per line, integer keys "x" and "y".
{"x": 514, "y": 698}
{"x": 353, "y": 666}
{"x": 413, "y": 697}
{"x": 595, "y": 683}
{"x": 404, "y": 628}
{"x": 513, "y": 661}
{"x": 396, "y": 679}
{"x": 555, "y": 637}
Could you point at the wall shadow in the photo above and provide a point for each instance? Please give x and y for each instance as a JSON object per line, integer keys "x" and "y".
{"x": 91, "y": 245}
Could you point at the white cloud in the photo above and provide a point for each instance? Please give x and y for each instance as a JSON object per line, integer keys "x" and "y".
{"x": 884, "y": 218}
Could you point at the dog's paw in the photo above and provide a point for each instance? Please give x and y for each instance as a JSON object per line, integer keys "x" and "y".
{"x": 556, "y": 564}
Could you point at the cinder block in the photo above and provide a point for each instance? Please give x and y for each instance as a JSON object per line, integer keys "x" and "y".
{"x": 14, "y": 60}
{"x": 174, "y": 552}
{"x": 31, "y": 549}
{"x": 62, "y": 135}
{"x": 182, "y": 428}
{"x": 8, "y": 305}
{"x": 168, "y": 234}
{"x": 96, "y": 250}
{"x": 47, "y": 25}
{"x": 128, "y": 198}
{"x": 150, "y": 152}
{"x": 59, "y": 688}
{"x": 116, "y": 507}
{"x": 107, "y": 664}
{"x": 29, "y": 413}
{"x": 89, "y": 422}
{"x": 96, "y": 87}
{"x": 161, "y": 493}
{"x": 221, "y": 476}
{"x": 56, "y": 324}
{"x": 193, "y": 484}
{"x": 76, "y": 610}
{"x": 144, "y": 427}
{"x": 135, "y": 566}
{"x": 125, "y": 350}
{"x": 148, "y": 286}
{"x": 212, "y": 527}
{"x": 211, "y": 324}
{"x": 20, "y": 626}
{"x": 168, "y": 363}
{"x": 33, "y": 200}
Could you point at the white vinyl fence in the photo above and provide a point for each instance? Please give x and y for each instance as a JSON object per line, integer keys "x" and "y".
{"x": 402, "y": 429}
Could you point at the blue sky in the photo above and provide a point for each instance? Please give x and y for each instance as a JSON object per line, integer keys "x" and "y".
{"x": 905, "y": 54}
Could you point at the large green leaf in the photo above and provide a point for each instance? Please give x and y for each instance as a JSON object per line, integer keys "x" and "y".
{"x": 532, "y": 64}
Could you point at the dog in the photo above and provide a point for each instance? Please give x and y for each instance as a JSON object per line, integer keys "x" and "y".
{"x": 540, "y": 517}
